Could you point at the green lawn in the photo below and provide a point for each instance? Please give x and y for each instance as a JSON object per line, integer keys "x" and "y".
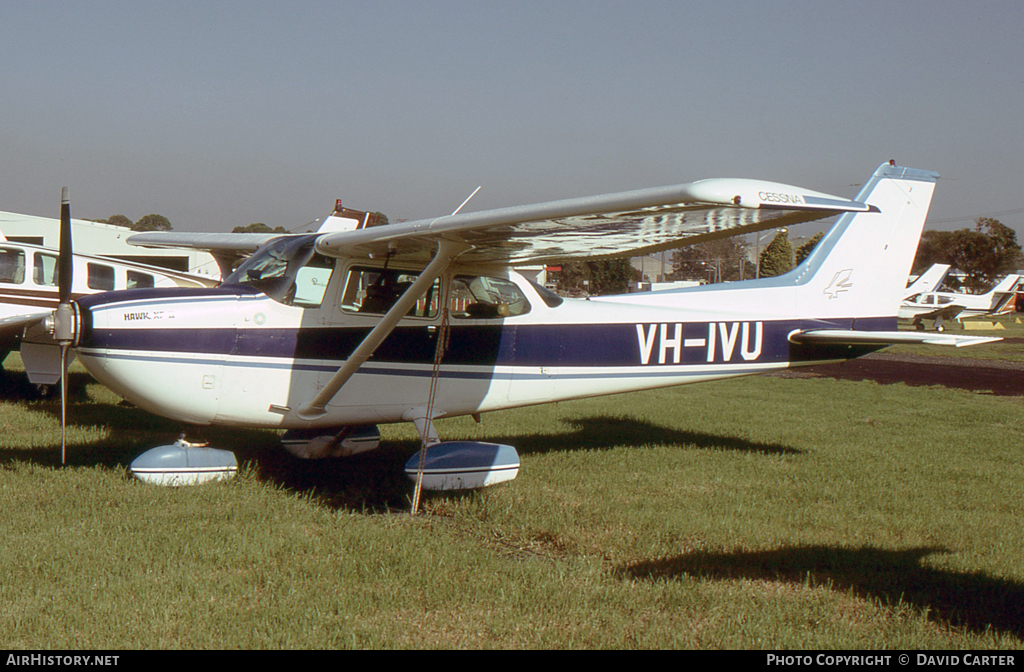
{"x": 754, "y": 513}
{"x": 1007, "y": 326}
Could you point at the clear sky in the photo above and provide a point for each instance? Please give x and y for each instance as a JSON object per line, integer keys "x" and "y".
{"x": 221, "y": 113}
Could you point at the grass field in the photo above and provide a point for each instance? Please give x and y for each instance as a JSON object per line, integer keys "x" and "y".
{"x": 754, "y": 513}
{"x": 1007, "y": 327}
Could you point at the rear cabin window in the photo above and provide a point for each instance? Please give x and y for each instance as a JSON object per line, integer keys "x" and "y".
{"x": 12, "y": 266}
{"x": 550, "y": 298}
{"x": 100, "y": 277}
{"x": 482, "y": 298}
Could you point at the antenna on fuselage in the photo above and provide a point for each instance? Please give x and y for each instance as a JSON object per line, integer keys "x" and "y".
{"x": 466, "y": 201}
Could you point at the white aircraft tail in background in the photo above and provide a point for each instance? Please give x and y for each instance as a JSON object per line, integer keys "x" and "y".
{"x": 942, "y": 306}
{"x": 927, "y": 281}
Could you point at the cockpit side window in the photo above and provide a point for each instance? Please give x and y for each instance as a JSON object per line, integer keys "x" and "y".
{"x": 311, "y": 282}
{"x": 482, "y": 298}
{"x": 138, "y": 280}
{"x": 375, "y": 290}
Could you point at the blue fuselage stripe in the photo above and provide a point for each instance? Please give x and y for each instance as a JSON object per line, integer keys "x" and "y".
{"x": 566, "y": 345}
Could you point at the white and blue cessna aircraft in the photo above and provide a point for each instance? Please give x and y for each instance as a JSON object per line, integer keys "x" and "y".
{"x": 326, "y": 334}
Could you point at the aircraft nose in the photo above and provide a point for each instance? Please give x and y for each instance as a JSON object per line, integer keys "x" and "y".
{"x": 83, "y": 322}
{"x": 64, "y": 323}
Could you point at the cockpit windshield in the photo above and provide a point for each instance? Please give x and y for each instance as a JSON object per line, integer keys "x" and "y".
{"x": 288, "y": 270}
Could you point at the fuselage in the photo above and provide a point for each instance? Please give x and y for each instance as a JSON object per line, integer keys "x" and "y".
{"x": 353, "y": 328}
{"x": 958, "y": 305}
{"x": 237, "y": 355}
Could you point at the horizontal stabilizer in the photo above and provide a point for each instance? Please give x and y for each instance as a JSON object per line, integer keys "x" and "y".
{"x": 850, "y": 337}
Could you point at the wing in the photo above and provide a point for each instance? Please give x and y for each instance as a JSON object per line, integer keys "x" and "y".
{"x": 241, "y": 243}
{"x": 621, "y": 224}
{"x": 226, "y": 248}
{"x": 947, "y": 312}
{"x": 13, "y": 325}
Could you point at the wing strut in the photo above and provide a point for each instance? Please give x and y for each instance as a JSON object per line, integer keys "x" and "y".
{"x": 447, "y": 251}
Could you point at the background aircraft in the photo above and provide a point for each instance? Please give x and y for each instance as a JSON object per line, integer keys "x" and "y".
{"x": 29, "y": 291}
{"x": 942, "y": 306}
{"x": 335, "y": 332}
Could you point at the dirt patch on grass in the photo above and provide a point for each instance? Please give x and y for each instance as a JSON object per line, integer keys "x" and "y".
{"x": 978, "y": 375}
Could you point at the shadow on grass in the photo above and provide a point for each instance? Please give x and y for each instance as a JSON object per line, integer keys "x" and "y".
{"x": 372, "y": 481}
{"x": 130, "y": 431}
{"x": 974, "y": 600}
{"x": 376, "y": 480}
{"x": 15, "y": 386}
{"x": 610, "y": 432}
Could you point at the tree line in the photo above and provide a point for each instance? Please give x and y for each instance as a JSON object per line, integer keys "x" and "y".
{"x": 729, "y": 259}
{"x": 161, "y": 223}
{"x": 148, "y": 223}
{"x": 984, "y": 254}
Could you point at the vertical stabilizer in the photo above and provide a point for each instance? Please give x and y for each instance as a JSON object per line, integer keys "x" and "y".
{"x": 860, "y": 267}
{"x": 1003, "y": 295}
{"x": 928, "y": 281}
{"x": 1005, "y": 285}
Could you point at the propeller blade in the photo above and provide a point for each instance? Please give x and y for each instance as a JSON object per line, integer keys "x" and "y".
{"x": 63, "y": 402}
{"x": 65, "y": 262}
{"x": 63, "y": 330}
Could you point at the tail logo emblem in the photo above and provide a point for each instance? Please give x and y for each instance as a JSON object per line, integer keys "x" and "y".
{"x": 840, "y": 283}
